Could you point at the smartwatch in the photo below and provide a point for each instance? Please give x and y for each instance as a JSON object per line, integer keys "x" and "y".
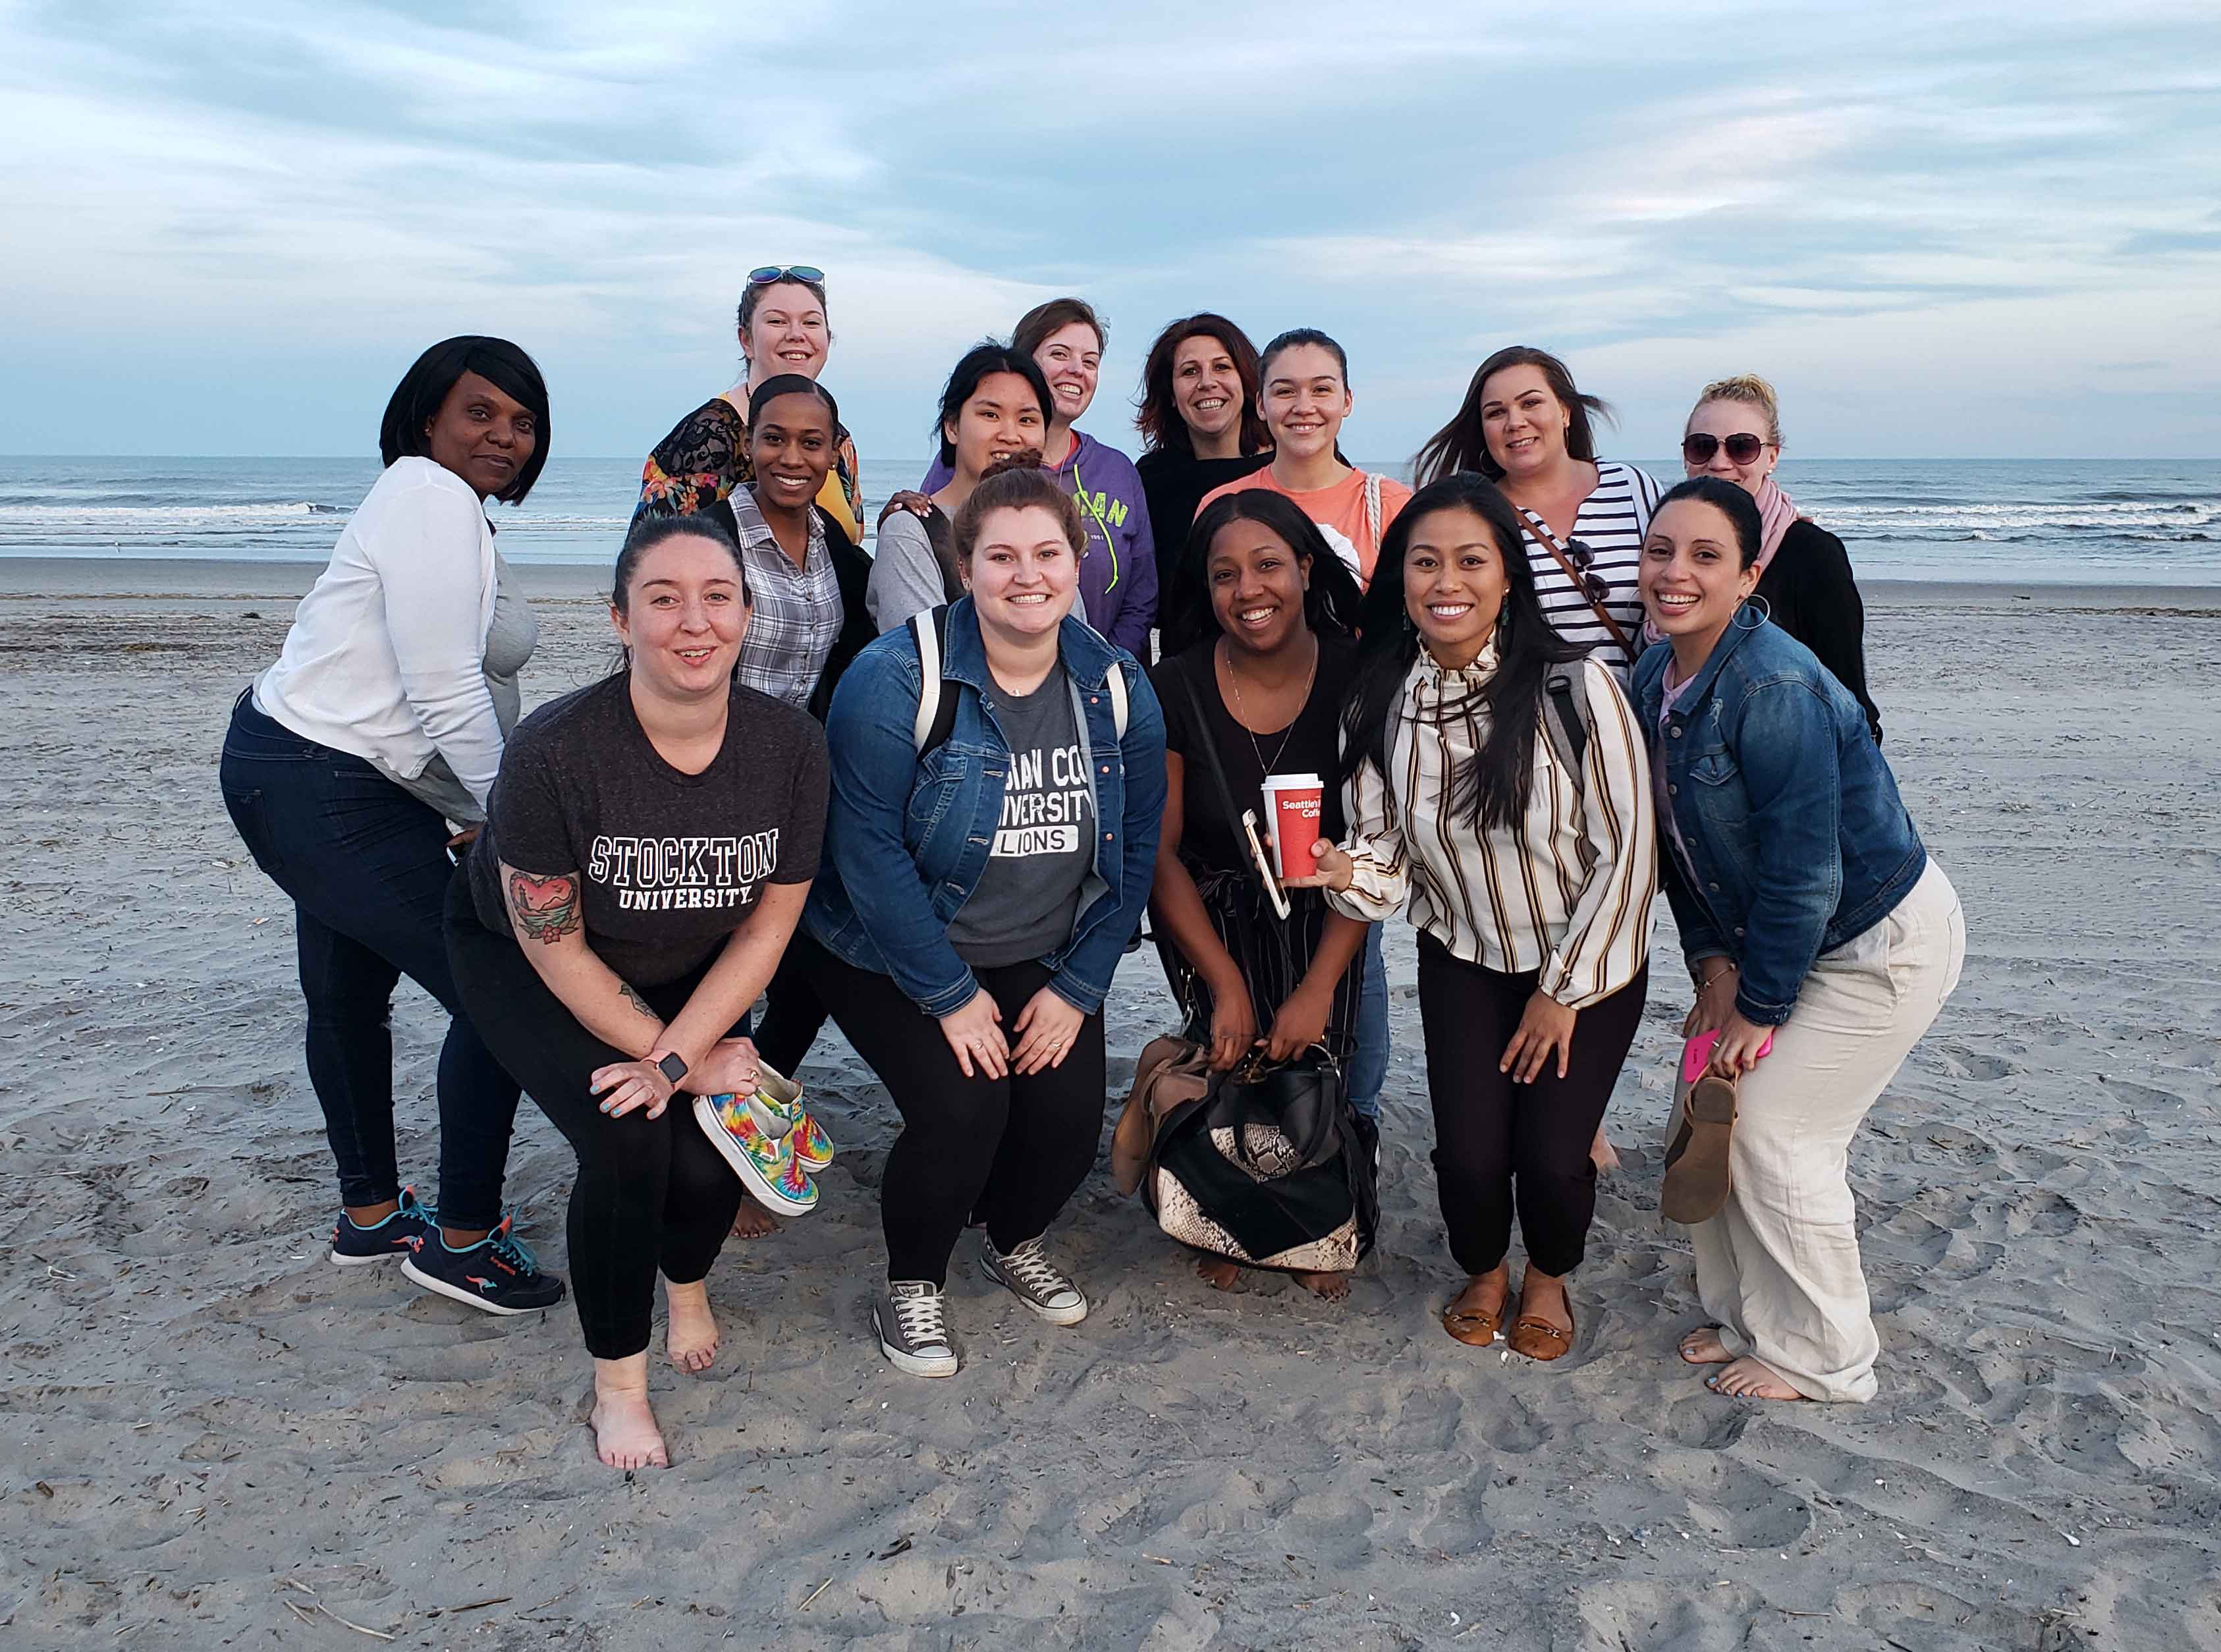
{"x": 671, "y": 1065}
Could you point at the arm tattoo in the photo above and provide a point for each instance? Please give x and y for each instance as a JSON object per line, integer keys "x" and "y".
{"x": 638, "y": 1002}
{"x": 546, "y": 909}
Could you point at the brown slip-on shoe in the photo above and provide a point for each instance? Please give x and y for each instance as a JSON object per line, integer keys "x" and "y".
{"x": 1472, "y": 1327}
{"x": 1698, "y": 1180}
{"x": 1540, "y": 1340}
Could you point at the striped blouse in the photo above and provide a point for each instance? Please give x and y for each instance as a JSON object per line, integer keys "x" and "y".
{"x": 1611, "y": 523}
{"x": 1568, "y": 892}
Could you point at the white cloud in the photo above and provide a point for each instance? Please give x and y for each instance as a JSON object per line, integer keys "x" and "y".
{"x": 236, "y": 192}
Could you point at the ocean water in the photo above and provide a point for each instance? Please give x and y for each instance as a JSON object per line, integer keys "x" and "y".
{"x": 2019, "y": 521}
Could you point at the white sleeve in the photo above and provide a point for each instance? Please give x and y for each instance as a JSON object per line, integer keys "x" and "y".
{"x": 427, "y": 549}
{"x": 1380, "y": 884}
{"x": 1608, "y": 939}
{"x": 905, "y": 577}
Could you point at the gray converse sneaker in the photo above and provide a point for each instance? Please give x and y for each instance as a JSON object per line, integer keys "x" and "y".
{"x": 912, "y": 1334}
{"x": 1035, "y": 1280}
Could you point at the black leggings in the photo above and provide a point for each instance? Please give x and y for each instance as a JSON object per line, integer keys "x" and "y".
{"x": 1496, "y": 1140}
{"x": 1008, "y": 1151}
{"x": 651, "y": 1192}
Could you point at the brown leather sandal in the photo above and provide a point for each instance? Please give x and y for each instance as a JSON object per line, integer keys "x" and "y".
{"x": 1540, "y": 1340}
{"x": 1699, "y": 1177}
{"x": 1472, "y": 1327}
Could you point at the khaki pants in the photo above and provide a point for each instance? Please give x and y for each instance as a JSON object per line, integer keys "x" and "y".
{"x": 1779, "y": 1267}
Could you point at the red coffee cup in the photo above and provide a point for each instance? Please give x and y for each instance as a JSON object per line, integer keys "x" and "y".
{"x": 1293, "y": 820}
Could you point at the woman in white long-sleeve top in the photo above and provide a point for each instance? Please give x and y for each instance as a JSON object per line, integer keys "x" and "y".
{"x": 347, "y": 763}
{"x": 1497, "y": 794}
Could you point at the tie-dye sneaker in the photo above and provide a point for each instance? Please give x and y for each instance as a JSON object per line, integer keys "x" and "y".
{"x": 739, "y": 1128}
{"x": 813, "y": 1149}
{"x": 781, "y": 1098}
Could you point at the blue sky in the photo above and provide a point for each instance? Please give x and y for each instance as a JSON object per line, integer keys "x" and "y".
{"x": 1956, "y": 230}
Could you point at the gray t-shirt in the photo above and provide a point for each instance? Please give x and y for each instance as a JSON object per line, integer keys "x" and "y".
{"x": 906, "y": 576}
{"x": 1029, "y": 898}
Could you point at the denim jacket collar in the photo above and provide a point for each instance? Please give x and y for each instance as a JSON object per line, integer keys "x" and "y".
{"x": 1086, "y": 656}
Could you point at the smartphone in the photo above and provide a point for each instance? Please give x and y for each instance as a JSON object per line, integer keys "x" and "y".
{"x": 1264, "y": 865}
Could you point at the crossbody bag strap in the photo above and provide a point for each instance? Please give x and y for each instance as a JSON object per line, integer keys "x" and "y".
{"x": 1550, "y": 544}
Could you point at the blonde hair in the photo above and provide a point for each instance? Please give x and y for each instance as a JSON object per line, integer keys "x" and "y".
{"x": 1750, "y": 389}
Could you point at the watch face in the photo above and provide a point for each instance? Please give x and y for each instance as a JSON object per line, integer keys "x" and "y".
{"x": 673, "y": 1067}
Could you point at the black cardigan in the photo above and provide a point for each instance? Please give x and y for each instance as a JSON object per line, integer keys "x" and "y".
{"x": 1810, "y": 593}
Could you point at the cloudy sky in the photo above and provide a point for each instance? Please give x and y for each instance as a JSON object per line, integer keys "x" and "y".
{"x": 1942, "y": 229}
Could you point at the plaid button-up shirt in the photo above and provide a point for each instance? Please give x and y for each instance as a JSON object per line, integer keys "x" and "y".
{"x": 795, "y": 614}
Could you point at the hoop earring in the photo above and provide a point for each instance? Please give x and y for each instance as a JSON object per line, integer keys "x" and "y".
{"x": 1764, "y": 610}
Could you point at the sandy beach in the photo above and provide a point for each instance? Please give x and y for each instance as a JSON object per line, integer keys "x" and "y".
{"x": 214, "y": 1437}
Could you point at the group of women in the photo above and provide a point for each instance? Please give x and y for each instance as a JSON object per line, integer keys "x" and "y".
{"x": 933, "y": 792}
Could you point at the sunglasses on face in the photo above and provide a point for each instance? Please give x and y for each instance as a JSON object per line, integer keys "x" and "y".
{"x": 1742, "y": 447}
{"x": 1583, "y": 556}
{"x": 770, "y": 273}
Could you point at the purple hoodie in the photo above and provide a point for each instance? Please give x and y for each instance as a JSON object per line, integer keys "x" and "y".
{"x": 1118, "y": 570}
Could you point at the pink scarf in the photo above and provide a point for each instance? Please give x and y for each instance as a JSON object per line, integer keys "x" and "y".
{"x": 1776, "y": 511}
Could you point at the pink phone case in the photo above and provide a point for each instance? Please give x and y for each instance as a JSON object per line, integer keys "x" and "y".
{"x": 1697, "y": 1054}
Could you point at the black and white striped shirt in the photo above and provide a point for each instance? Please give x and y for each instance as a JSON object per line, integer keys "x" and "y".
{"x": 1611, "y": 523}
{"x": 1566, "y": 891}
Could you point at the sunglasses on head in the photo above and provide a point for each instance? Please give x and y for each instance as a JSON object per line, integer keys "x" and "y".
{"x": 1583, "y": 556}
{"x": 770, "y": 273}
{"x": 1742, "y": 447}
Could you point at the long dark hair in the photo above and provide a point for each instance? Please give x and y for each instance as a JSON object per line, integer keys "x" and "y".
{"x": 1740, "y": 509}
{"x": 417, "y": 397}
{"x": 1330, "y": 603}
{"x": 1492, "y": 789}
{"x": 983, "y": 361}
{"x": 1461, "y": 445}
{"x": 1160, "y": 421}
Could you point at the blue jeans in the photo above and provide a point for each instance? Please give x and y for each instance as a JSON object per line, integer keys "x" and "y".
{"x": 367, "y": 868}
{"x": 1368, "y": 1065}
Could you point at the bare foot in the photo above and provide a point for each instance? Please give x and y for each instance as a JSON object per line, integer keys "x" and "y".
{"x": 1747, "y": 1379}
{"x": 1602, "y": 1154}
{"x": 1332, "y": 1287}
{"x": 754, "y": 1222}
{"x": 1217, "y": 1272}
{"x": 625, "y": 1435}
{"x": 1703, "y": 1347}
{"x": 693, "y": 1342}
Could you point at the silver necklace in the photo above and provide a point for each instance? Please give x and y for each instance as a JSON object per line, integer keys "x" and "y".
{"x": 1242, "y": 713}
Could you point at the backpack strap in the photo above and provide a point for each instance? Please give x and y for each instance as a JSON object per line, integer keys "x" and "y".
{"x": 1373, "y": 509}
{"x": 1566, "y": 727}
{"x": 936, "y": 708}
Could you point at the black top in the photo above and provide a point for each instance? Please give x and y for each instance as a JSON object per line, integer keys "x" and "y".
{"x": 1810, "y": 593}
{"x": 669, "y": 864}
{"x": 1208, "y": 840}
{"x": 1174, "y": 484}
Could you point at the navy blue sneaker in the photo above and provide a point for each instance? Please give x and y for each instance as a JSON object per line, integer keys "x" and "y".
{"x": 382, "y": 1242}
{"x": 498, "y": 1275}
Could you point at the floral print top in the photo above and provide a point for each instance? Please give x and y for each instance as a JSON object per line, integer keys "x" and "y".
{"x": 706, "y": 456}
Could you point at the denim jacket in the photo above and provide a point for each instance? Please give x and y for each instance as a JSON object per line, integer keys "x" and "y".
{"x": 907, "y": 837}
{"x": 1795, "y": 834}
